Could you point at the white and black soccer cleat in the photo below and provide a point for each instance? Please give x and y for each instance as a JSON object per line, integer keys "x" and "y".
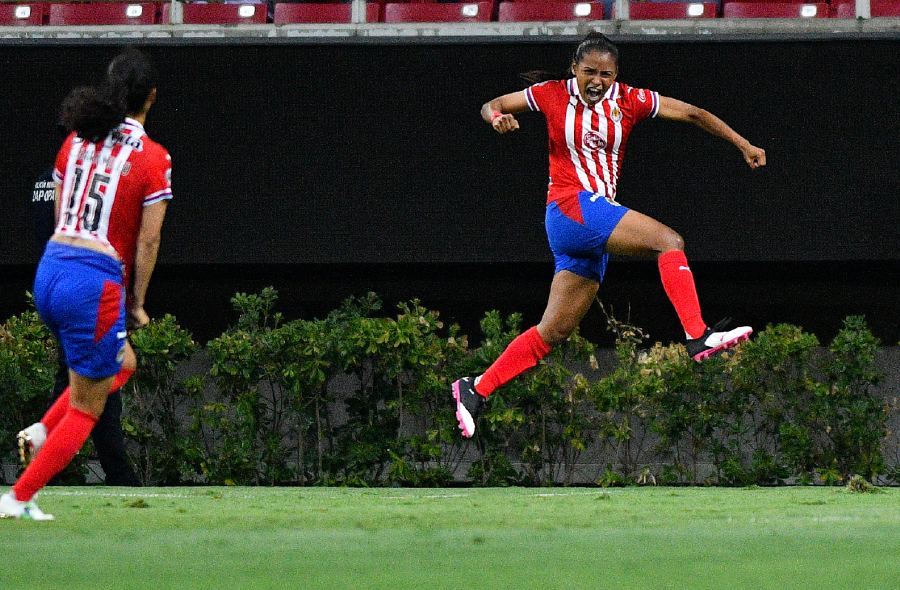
{"x": 715, "y": 340}
{"x": 468, "y": 405}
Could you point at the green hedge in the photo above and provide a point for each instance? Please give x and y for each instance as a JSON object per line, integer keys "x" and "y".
{"x": 359, "y": 398}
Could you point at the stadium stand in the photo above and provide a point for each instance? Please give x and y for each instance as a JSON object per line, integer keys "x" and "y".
{"x": 103, "y": 13}
{"x": 287, "y": 13}
{"x": 219, "y": 14}
{"x": 885, "y": 8}
{"x": 672, "y": 10}
{"x": 549, "y": 11}
{"x": 843, "y": 10}
{"x": 421, "y": 12}
{"x": 418, "y": 11}
{"x": 774, "y": 10}
{"x": 21, "y": 15}
{"x": 877, "y": 8}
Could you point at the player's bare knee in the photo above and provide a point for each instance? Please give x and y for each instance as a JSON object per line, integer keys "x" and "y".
{"x": 557, "y": 331}
{"x": 89, "y": 402}
{"x": 670, "y": 240}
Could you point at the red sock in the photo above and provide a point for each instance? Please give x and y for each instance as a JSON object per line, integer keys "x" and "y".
{"x": 59, "y": 407}
{"x": 678, "y": 282}
{"x": 62, "y": 444}
{"x": 522, "y": 353}
{"x": 56, "y": 412}
{"x": 121, "y": 379}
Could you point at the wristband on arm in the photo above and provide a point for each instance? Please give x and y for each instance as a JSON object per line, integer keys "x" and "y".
{"x": 495, "y": 114}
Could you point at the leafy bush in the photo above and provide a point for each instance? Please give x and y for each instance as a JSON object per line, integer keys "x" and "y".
{"x": 28, "y": 364}
{"x": 362, "y": 398}
{"x": 155, "y": 401}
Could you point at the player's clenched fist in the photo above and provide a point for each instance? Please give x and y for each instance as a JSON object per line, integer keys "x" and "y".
{"x": 504, "y": 123}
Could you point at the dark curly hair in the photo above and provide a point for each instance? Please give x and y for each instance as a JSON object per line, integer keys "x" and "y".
{"x": 93, "y": 111}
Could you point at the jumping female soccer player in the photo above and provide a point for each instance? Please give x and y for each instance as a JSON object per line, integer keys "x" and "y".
{"x": 589, "y": 118}
{"x": 114, "y": 185}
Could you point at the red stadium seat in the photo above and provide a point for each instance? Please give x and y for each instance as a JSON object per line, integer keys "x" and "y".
{"x": 843, "y": 10}
{"x": 546, "y": 11}
{"x": 438, "y": 13}
{"x": 103, "y": 13}
{"x": 18, "y": 15}
{"x": 885, "y": 8}
{"x": 878, "y": 8}
{"x": 219, "y": 14}
{"x": 322, "y": 13}
{"x": 672, "y": 10}
{"x": 774, "y": 10}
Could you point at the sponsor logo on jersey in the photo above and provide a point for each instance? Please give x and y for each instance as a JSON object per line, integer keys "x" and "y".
{"x": 594, "y": 141}
{"x": 132, "y": 142}
{"x": 642, "y": 96}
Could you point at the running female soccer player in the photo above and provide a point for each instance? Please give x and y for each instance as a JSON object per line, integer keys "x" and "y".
{"x": 114, "y": 183}
{"x": 589, "y": 118}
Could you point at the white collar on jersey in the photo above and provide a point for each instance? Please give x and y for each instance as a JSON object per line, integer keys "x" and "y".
{"x": 133, "y": 123}
{"x": 612, "y": 92}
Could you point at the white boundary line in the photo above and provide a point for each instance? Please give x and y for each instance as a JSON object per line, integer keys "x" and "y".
{"x": 300, "y": 491}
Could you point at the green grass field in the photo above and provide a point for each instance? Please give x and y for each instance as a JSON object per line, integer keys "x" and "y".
{"x": 254, "y": 538}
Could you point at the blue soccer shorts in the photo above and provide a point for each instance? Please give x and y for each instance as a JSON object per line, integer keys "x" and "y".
{"x": 581, "y": 247}
{"x": 79, "y": 295}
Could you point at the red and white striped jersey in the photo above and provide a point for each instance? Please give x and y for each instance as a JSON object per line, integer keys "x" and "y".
{"x": 587, "y": 144}
{"x": 105, "y": 186}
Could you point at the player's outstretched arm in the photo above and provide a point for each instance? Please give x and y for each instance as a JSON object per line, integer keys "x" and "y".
{"x": 145, "y": 259}
{"x": 676, "y": 110}
{"x": 499, "y": 112}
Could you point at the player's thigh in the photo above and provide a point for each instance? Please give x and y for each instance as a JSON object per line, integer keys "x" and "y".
{"x": 637, "y": 234}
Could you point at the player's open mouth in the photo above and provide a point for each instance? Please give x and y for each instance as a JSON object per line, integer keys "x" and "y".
{"x": 593, "y": 94}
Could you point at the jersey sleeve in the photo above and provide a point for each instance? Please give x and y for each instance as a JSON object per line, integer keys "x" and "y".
{"x": 62, "y": 158}
{"x": 538, "y": 95}
{"x": 645, "y": 103}
{"x": 159, "y": 178}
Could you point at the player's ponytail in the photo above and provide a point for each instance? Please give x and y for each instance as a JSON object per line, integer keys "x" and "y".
{"x": 92, "y": 112}
{"x": 594, "y": 41}
{"x": 538, "y": 76}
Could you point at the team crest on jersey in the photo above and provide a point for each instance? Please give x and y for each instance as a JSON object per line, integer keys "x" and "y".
{"x": 642, "y": 96}
{"x": 615, "y": 114}
{"x": 594, "y": 141}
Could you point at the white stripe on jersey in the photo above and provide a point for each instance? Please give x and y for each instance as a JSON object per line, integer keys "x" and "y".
{"x": 614, "y": 150}
{"x": 571, "y": 112}
{"x": 115, "y": 171}
{"x": 75, "y": 186}
{"x": 80, "y": 202}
